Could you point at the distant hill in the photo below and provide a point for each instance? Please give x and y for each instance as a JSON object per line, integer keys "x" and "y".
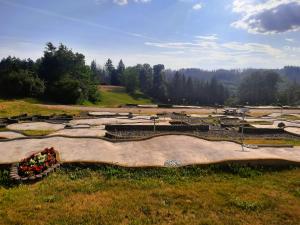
{"x": 232, "y": 77}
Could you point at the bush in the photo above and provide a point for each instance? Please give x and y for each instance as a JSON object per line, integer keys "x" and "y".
{"x": 66, "y": 91}
{"x": 93, "y": 93}
{"x": 22, "y": 83}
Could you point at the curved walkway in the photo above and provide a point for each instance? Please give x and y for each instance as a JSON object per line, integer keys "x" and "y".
{"x": 152, "y": 152}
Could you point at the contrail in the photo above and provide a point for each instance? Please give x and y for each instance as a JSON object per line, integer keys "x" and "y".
{"x": 73, "y": 19}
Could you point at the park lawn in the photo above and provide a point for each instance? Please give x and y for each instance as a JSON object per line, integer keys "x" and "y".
{"x": 115, "y": 96}
{"x": 194, "y": 195}
{"x": 17, "y": 107}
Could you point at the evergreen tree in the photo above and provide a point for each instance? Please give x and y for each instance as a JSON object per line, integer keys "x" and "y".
{"x": 109, "y": 72}
{"x": 120, "y": 73}
{"x": 131, "y": 79}
{"x": 159, "y": 89}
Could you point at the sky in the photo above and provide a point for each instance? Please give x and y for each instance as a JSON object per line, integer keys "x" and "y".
{"x": 206, "y": 34}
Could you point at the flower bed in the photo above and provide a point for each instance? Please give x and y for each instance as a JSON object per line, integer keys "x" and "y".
{"x": 36, "y": 166}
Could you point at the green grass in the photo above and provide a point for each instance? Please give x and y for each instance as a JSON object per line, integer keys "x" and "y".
{"x": 262, "y": 123}
{"x": 16, "y": 107}
{"x": 37, "y": 132}
{"x": 191, "y": 195}
{"x": 115, "y": 96}
{"x": 289, "y": 117}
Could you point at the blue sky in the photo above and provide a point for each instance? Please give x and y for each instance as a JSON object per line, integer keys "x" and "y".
{"x": 208, "y": 34}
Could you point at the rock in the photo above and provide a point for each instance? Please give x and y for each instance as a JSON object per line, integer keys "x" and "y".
{"x": 172, "y": 163}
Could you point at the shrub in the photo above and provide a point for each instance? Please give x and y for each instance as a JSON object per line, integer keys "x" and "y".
{"x": 66, "y": 91}
{"x": 22, "y": 83}
{"x": 93, "y": 93}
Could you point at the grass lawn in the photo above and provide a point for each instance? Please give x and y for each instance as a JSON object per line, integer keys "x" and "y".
{"x": 194, "y": 195}
{"x": 17, "y": 107}
{"x": 37, "y": 132}
{"x": 115, "y": 96}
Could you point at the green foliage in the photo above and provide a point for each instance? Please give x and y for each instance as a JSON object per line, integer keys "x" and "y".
{"x": 131, "y": 79}
{"x": 18, "y": 78}
{"x": 290, "y": 94}
{"x": 259, "y": 88}
{"x": 94, "y": 94}
{"x": 250, "y": 205}
{"x": 21, "y": 83}
{"x": 67, "y": 78}
{"x": 67, "y": 90}
{"x": 4, "y": 177}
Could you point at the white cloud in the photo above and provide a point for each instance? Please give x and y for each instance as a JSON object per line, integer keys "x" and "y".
{"x": 208, "y": 37}
{"x": 197, "y": 6}
{"x": 214, "y": 54}
{"x": 121, "y": 2}
{"x": 290, "y": 39}
{"x": 267, "y": 16}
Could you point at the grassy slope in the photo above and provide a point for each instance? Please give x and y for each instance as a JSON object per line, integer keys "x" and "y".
{"x": 114, "y": 96}
{"x": 155, "y": 196}
{"x": 17, "y": 107}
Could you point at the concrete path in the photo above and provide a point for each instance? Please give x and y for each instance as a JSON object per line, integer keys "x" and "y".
{"x": 35, "y": 126}
{"x": 294, "y": 130}
{"x": 152, "y": 152}
{"x": 10, "y": 135}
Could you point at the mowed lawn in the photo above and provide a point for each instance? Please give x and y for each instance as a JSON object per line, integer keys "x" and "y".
{"x": 193, "y": 195}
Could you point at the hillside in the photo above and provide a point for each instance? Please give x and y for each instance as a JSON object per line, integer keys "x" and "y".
{"x": 114, "y": 96}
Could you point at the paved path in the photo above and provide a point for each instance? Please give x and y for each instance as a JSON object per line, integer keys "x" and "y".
{"x": 152, "y": 152}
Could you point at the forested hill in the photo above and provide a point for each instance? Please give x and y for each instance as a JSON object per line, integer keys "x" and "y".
{"x": 234, "y": 76}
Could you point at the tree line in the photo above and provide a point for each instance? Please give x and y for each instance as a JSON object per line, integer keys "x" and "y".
{"x": 152, "y": 81}
{"x": 61, "y": 75}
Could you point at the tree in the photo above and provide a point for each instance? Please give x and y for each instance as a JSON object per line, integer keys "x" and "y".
{"x": 120, "y": 73}
{"x": 159, "y": 88}
{"x": 131, "y": 79}
{"x": 18, "y": 78}
{"x": 259, "y": 88}
{"x": 110, "y": 72}
{"x": 146, "y": 78}
{"x": 59, "y": 67}
{"x": 290, "y": 95}
{"x": 21, "y": 83}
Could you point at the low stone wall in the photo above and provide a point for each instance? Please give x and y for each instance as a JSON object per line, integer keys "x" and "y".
{"x": 253, "y": 130}
{"x": 177, "y": 128}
